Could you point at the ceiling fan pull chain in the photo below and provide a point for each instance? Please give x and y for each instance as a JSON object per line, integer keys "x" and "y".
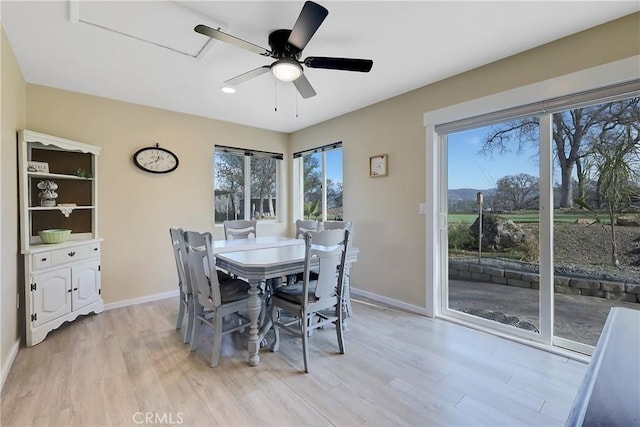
{"x": 275, "y": 95}
{"x": 296, "y": 95}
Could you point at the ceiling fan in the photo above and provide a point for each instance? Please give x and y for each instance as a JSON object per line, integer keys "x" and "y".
{"x": 286, "y": 49}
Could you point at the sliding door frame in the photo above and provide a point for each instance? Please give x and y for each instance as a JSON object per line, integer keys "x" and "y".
{"x": 436, "y": 196}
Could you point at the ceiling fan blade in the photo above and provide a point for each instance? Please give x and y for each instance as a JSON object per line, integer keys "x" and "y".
{"x": 307, "y": 24}
{"x": 224, "y": 37}
{"x": 347, "y": 64}
{"x": 247, "y": 76}
{"x": 304, "y": 87}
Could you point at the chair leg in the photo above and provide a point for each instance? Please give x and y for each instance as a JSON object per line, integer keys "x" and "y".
{"x": 339, "y": 329}
{"x": 197, "y": 309}
{"x": 346, "y": 296}
{"x": 305, "y": 340}
{"x": 188, "y": 334}
{"x": 217, "y": 340}
{"x": 180, "y": 311}
{"x": 275, "y": 317}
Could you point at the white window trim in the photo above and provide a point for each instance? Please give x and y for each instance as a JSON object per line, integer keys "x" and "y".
{"x": 297, "y": 189}
{"x": 436, "y": 215}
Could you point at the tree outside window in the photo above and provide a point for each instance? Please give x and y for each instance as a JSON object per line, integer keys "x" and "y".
{"x": 322, "y": 184}
{"x": 245, "y": 185}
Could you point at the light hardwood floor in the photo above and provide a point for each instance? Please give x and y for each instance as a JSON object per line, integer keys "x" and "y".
{"x": 126, "y": 364}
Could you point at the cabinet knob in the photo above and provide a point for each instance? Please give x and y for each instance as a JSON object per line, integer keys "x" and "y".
{"x": 95, "y": 249}
{"x": 69, "y": 291}
{"x": 72, "y": 253}
{"x": 75, "y": 289}
{"x": 43, "y": 259}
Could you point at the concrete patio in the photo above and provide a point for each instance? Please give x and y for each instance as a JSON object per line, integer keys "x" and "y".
{"x": 577, "y": 317}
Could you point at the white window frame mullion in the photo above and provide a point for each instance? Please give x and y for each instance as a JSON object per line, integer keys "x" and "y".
{"x": 247, "y": 187}
{"x": 442, "y": 222}
{"x": 298, "y": 189}
{"x": 324, "y": 186}
{"x": 279, "y": 201}
{"x": 545, "y": 302}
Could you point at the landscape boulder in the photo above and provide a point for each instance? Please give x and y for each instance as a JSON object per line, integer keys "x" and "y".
{"x": 628, "y": 221}
{"x": 585, "y": 221}
{"x": 498, "y": 233}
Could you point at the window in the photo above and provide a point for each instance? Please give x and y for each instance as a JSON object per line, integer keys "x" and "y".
{"x": 245, "y": 184}
{"x": 321, "y": 182}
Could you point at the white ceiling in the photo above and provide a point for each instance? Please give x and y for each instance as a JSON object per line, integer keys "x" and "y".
{"x": 148, "y": 53}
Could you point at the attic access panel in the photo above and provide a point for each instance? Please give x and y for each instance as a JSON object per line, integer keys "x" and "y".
{"x": 161, "y": 23}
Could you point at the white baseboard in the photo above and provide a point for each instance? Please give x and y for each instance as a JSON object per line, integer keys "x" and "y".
{"x": 390, "y": 301}
{"x": 141, "y": 300}
{"x": 6, "y": 367}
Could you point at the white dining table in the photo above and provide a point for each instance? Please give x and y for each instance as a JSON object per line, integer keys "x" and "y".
{"x": 257, "y": 265}
{"x": 260, "y": 242}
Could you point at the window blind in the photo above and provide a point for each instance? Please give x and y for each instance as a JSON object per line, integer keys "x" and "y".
{"x": 247, "y": 152}
{"x": 318, "y": 149}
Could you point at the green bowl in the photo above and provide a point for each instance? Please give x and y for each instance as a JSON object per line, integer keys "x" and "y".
{"x": 54, "y": 235}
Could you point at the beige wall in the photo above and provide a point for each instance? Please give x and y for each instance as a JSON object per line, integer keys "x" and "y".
{"x": 137, "y": 208}
{"x": 389, "y": 228}
{"x": 12, "y": 116}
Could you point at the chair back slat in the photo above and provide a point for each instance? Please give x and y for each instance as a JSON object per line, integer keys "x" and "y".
{"x": 179, "y": 253}
{"x": 329, "y": 248}
{"x": 203, "y": 277}
{"x": 302, "y": 226}
{"x": 240, "y": 229}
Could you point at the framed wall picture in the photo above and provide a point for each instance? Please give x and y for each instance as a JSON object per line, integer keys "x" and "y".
{"x": 41, "y": 167}
{"x": 378, "y": 165}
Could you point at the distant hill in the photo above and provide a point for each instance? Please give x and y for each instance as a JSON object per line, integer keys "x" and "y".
{"x": 469, "y": 193}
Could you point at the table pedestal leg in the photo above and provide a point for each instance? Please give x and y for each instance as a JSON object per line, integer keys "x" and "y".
{"x": 254, "y": 305}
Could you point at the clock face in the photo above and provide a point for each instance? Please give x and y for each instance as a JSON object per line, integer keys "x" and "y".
{"x": 155, "y": 160}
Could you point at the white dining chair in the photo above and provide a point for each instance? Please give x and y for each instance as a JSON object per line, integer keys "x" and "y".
{"x": 185, "y": 293}
{"x": 213, "y": 299}
{"x": 344, "y": 225}
{"x": 314, "y": 303}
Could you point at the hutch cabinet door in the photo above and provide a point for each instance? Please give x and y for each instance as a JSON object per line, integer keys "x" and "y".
{"x": 86, "y": 283}
{"x": 51, "y": 295}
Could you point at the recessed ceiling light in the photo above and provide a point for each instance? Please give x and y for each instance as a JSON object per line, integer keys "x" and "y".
{"x": 228, "y": 89}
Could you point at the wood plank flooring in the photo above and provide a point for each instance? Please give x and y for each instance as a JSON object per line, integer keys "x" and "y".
{"x": 128, "y": 366}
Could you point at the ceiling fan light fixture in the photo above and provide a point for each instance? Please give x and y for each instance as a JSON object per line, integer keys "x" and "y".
{"x": 286, "y": 70}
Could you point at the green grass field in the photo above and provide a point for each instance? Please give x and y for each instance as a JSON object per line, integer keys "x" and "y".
{"x": 531, "y": 217}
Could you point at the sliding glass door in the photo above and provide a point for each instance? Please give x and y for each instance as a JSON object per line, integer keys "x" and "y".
{"x": 543, "y": 221}
{"x": 597, "y": 223}
{"x": 493, "y": 221}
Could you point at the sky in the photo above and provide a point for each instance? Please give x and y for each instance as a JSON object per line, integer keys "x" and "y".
{"x": 334, "y": 165}
{"x": 470, "y": 169}
{"x": 467, "y": 168}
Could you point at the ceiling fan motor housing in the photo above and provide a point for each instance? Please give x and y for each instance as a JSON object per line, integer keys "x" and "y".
{"x": 280, "y": 46}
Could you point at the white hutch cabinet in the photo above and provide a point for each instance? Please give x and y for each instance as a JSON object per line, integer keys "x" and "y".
{"x": 62, "y": 280}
